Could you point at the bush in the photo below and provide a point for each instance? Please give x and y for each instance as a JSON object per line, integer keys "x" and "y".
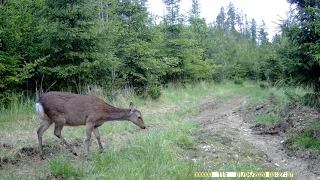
{"x": 238, "y": 81}
{"x": 311, "y": 99}
{"x": 263, "y": 85}
{"x": 154, "y": 91}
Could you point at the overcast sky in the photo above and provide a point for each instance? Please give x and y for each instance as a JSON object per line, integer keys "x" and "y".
{"x": 267, "y": 10}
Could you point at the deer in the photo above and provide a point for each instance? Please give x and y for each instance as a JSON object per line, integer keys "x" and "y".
{"x": 69, "y": 109}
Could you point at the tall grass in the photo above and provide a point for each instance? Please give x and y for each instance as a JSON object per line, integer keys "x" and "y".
{"x": 20, "y": 108}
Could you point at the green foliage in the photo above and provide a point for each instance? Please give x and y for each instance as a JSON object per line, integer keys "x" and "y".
{"x": 303, "y": 32}
{"x": 72, "y": 43}
{"x": 311, "y": 99}
{"x": 272, "y": 70}
{"x": 17, "y": 43}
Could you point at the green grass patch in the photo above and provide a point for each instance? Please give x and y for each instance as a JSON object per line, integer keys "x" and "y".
{"x": 268, "y": 119}
{"x": 308, "y": 139}
{"x": 13, "y": 177}
{"x": 62, "y": 168}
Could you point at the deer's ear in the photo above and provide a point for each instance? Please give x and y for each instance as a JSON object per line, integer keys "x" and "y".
{"x": 131, "y": 107}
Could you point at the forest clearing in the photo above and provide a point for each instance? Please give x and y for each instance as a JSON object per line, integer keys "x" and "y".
{"x": 198, "y": 128}
{"x": 215, "y": 96}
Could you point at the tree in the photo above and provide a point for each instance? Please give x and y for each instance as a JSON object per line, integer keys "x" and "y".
{"x": 73, "y": 46}
{"x": 134, "y": 46}
{"x": 18, "y": 44}
{"x": 253, "y": 30}
{"x": 240, "y": 22}
{"x": 173, "y": 12}
{"x": 247, "y": 32}
{"x": 195, "y": 10}
{"x": 198, "y": 25}
{"x": 263, "y": 34}
{"x": 231, "y": 17}
{"x": 304, "y": 33}
{"x": 220, "y": 20}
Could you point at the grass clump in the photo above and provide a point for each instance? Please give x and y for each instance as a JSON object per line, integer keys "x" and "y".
{"x": 267, "y": 119}
{"x": 12, "y": 177}
{"x": 60, "y": 167}
{"x": 184, "y": 141}
{"x": 309, "y": 138}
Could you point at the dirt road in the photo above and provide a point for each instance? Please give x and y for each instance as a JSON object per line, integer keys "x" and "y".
{"x": 226, "y": 140}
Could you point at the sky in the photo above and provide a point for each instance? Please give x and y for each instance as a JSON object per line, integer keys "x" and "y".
{"x": 267, "y": 10}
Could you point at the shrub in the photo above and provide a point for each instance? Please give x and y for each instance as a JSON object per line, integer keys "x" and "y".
{"x": 263, "y": 85}
{"x": 154, "y": 91}
{"x": 311, "y": 99}
{"x": 238, "y": 81}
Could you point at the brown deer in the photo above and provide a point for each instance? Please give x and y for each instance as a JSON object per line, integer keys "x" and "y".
{"x": 68, "y": 109}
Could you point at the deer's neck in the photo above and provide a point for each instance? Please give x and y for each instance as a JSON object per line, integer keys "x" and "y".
{"x": 119, "y": 114}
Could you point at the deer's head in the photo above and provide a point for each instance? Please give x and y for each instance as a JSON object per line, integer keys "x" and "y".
{"x": 136, "y": 117}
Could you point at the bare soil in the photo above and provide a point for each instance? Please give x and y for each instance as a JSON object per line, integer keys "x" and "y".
{"x": 226, "y": 138}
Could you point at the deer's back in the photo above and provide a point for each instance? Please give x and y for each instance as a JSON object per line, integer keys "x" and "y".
{"x": 72, "y": 109}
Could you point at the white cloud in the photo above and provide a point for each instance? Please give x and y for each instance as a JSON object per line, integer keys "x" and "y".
{"x": 267, "y": 10}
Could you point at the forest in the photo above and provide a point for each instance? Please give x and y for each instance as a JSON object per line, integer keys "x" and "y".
{"x": 74, "y": 44}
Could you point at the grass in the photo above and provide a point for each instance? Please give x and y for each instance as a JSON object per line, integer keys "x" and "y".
{"x": 307, "y": 139}
{"x": 155, "y": 153}
{"x": 267, "y": 119}
{"x": 276, "y": 98}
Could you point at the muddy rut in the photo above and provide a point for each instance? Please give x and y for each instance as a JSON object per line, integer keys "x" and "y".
{"x": 225, "y": 139}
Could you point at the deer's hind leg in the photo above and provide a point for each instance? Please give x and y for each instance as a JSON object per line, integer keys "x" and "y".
{"x": 57, "y": 132}
{"x": 90, "y": 128}
{"x": 44, "y": 125}
{"x": 97, "y": 134}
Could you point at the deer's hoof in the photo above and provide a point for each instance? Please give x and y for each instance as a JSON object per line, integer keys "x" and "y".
{"x": 42, "y": 157}
{"x": 74, "y": 152}
{"x": 88, "y": 158}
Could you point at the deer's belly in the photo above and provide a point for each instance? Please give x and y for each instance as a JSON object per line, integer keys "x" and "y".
{"x": 74, "y": 122}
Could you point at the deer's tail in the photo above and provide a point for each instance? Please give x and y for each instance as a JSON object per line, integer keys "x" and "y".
{"x": 39, "y": 109}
